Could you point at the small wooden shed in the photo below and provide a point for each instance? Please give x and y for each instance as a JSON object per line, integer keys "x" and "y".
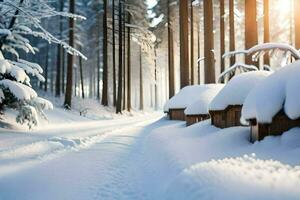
{"x": 280, "y": 124}
{"x": 225, "y": 108}
{"x": 176, "y": 106}
{"x": 273, "y": 107}
{"x": 198, "y": 111}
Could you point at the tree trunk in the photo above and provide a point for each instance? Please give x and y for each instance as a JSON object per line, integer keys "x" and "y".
{"x": 155, "y": 81}
{"x": 46, "y": 68}
{"x": 232, "y": 30}
{"x": 209, "y": 42}
{"x": 114, "y": 53}
{"x": 251, "y": 37}
{"x": 267, "y": 29}
{"x": 120, "y": 74}
{"x": 199, "y": 51}
{"x": 192, "y": 44}
{"x": 68, "y": 96}
{"x": 124, "y": 62}
{"x": 59, "y": 51}
{"x": 297, "y": 23}
{"x": 222, "y": 34}
{"x": 63, "y": 71}
{"x": 58, "y": 73}
{"x": 171, "y": 55}
{"x": 98, "y": 63}
{"x": 104, "y": 101}
{"x": 81, "y": 76}
{"x": 184, "y": 44}
{"x": 128, "y": 66}
{"x": 141, "y": 82}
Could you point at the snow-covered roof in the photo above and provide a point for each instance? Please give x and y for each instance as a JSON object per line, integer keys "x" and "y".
{"x": 280, "y": 90}
{"x": 186, "y": 96}
{"x": 237, "y": 89}
{"x": 200, "y": 106}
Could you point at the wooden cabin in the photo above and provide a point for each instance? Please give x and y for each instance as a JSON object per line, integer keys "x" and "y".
{"x": 198, "y": 110}
{"x": 228, "y": 117}
{"x": 177, "y": 105}
{"x": 273, "y": 107}
{"x": 225, "y": 109}
{"x": 280, "y": 124}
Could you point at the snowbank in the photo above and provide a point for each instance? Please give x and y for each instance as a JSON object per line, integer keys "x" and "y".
{"x": 254, "y": 178}
{"x": 200, "y": 106}
{"x": 237, "y": 89}
{"x": 186, "y": 96}
{"x": 279, "y": 90}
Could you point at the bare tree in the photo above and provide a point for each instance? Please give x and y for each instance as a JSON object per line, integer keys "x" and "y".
{"x": 209, "y": 42}
{"x": 170, "y": 54}
{"x": 104, "y": 100}
{"x": 184, "y": 44}
{"x": 232, "y": 30}
{"x": 222, "y": 33}
{"x": 251, "y": 36}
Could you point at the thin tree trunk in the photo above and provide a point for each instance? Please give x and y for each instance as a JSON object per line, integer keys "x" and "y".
{"x": 98, "y": 63}
{"x": 59, "y": 51}
{"x": 232, "y": 30}
{"x": 141, "y": 82}
{"x": 192, "y": 44}
{"x": 199, "y": 41}
{"x": 63, "y": 71}
{"x": 199, "y": 52}
{"x": 120, "y": 74}
{"x": 81, "y": 77}
{"x": 171, "y": 55}
{"x": 155, "y": 81}
{"x": 128, "y": 66}
{"x": 267, "y": 29}
{"x": 114, "y": 53}
{"x": 222, "y": 34}
{"x": 46, "y": 69}
{"x": 124, "y": 63}
{"x": 297, "y": 23}
{"x": 209, "y": 42}
{"x": 184, "y": 44}
{"x": 105, "y": 68}
{"x": 68, "y": 96}
{"x": 251, "y": 36}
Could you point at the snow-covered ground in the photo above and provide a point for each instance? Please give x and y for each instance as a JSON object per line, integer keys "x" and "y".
{"x": 145, "y": 156}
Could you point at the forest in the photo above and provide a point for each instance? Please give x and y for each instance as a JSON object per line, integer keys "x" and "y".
{"x": 149, "y": 99}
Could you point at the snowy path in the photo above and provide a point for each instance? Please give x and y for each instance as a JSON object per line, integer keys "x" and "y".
{"x": 111, "y": 168}
{"x": 145, "y": 158}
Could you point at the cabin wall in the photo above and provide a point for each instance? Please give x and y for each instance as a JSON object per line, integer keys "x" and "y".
{"x": 280, "y": 124}
{"x": 193, "y": 119}
{"x": 226, "y": 118}
{"x": 177, "y": 114}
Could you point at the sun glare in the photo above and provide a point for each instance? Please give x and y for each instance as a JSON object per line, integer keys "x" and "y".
{"x": 284, "y": 6}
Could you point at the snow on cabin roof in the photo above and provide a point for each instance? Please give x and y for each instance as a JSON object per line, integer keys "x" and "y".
{"x": 200, "y": 106}
{"x": 187, "y": 96}
{"x": 278, "y": 91}
{"x": 237, "y": 89}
